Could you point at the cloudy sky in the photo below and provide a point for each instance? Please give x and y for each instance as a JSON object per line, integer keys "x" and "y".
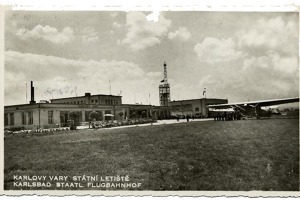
{"x": 236, "y": 55}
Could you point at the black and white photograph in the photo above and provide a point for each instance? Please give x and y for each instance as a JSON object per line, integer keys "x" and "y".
{"x": 151, "y": 101}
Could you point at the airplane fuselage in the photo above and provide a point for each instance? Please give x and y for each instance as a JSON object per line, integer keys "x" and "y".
{"x": 256, "y": 109}
{"x": 257, "y": 112}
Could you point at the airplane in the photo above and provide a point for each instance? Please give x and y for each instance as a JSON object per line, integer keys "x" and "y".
{"x": 252, "y": 108}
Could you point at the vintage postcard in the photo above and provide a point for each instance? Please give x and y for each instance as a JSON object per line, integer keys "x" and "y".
{"x": 188, "y": 103}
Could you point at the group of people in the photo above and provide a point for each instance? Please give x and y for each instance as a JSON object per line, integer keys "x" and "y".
{"x": 228, "y": 116}
{"x": 188, "y": 117}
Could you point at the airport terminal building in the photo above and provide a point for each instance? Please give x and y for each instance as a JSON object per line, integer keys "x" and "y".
{"x": 81, "y": 109}
{"x": 59, "y": 112}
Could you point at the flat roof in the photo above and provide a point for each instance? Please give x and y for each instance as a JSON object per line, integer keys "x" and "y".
{"x": 87, "y": 96}
{"x": 197, "y": 99}
{"x": 142, "y": 105}
{"x": 37, "y": 105}
{"x": 82, "y": 106}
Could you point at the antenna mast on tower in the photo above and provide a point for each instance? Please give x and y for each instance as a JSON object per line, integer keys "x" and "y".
{"x": 165, "y": 72}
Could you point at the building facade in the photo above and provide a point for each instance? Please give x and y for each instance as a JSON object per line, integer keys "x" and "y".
{"x": 64, "y": 111}
{"x": 99, "y": 99}
{"x": 47, "y": 115}
{"x": 194, "y": 107}
{"x": 50, "y": 115}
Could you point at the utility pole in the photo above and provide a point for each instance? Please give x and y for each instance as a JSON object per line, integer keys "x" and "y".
{"x": 204, "y": 102}
{"x": 26, "y": 92}
{"x": 109, "y": 88}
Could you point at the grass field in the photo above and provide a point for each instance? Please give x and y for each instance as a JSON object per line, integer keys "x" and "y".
{"x": 209, "y": 155}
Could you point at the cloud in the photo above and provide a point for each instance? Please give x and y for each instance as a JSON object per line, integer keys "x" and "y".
{"x": 181, "y": 91}
{"x": 268, "y": 68}
{"x": 57, "y": 74}
{"x": 142, "y": 33}
{"x": 47, "y": 33}
{"x": 270, "y": 34}
{"x": 182, "y": 34}
{"x": 273, "y": 61}
{"x": 209, "y": 81}
{"x": 89, "y": 35}
{"x": 116, "y": 25}
{"x": 114, "y": 14}
{"x": 266, "y": 77}
{"x": 153, "y": 16}
{"x": 213, "y": 50}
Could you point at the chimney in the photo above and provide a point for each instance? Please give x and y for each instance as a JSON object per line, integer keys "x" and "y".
{"x": 32, "y": 101}
{"x": 87, "y": 94}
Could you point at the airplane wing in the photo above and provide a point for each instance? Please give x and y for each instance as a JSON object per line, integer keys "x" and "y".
{"x": 223, "y": 110}
{"x": 262, "y": 103}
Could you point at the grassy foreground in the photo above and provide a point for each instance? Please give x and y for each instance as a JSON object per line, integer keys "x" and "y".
{"x": 233, "y": 155}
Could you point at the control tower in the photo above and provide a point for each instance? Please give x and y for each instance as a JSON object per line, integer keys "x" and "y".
{"x": 164, "y": 89}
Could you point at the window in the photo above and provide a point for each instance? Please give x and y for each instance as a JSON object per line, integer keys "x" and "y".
{"x": 12, "y": 119}
{"x": 107, "y": 111}
{"x": 61, "y": 117}
{"x": 50, "y": 117}
{"x": 92, "y": 101}
{"x": 23, "y": 118}
{"x": 30, "y": 118}
{"x": 196, "y": 109}
{"x": 116, "y": 102}
{"x": 96, "y": 101}
{"x": 64, "y": 117}
{"x": 87, "y": 115}
{"x": 5, "y": 119}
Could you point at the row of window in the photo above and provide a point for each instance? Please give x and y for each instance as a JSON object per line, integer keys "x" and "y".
{"x": 9, "y": 119}
{"x": 94, "y": 101}
{"x": 183, "y": 108}
{"x": 111, "y": 102}
{"x": 26, "y": 118}
{"x": 79, "y": 102}
{"x": 164, "y": 90}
